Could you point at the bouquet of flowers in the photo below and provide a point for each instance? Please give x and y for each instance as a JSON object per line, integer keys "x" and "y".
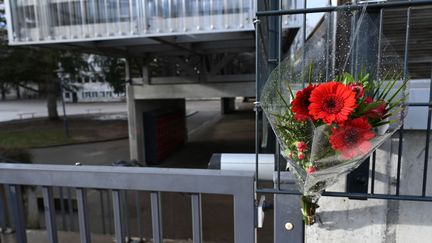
{"x": 328, "y": 127}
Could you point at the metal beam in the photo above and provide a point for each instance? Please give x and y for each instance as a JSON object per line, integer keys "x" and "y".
{"x": 127, "y": 178}
{"x": 176, "y": 45}
{"x": 184, "y": 65}
{"x": 197, "y": 90}
{"x": 221, "y": 64}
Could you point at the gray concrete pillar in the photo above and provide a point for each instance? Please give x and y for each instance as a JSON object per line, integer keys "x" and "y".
{"x": 137, "y": 108}
{"x": 135, "y": 125}
{"x": 227, "y": 105}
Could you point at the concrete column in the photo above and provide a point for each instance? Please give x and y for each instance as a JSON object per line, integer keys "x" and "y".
{"x": 135, "y": 125}
{"x": 227, "y": 105}
{"x": 128, "y": 70}
{"x": 136, "y": 110}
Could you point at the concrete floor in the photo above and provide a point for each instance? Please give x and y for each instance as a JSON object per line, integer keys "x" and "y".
{"x": 202, "y": 116}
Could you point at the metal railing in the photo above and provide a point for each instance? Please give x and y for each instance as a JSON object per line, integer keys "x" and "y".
{"x": 116, "y": 179}
{"x": 272, "y": 61}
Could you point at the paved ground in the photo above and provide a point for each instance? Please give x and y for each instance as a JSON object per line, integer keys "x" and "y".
{"x": 202, "y": 116}
{"x": 10, "y": 110}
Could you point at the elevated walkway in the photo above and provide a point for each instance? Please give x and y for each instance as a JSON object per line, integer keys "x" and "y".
{"x": 69, "y": 21}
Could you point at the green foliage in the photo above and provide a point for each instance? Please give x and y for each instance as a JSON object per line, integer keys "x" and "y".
{"x": 112, "y": 71}
{"x": 347, "y": 78}
{"x": 33, "y": 139}
{"x": 39, "y": 133}
{"x": 292, "y": 131}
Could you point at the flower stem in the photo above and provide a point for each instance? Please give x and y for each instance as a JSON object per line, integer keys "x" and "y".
{"x": 308, "y": 209}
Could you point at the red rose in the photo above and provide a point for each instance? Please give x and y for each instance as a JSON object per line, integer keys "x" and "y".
{"x": 301, "y": 156}
{"x": 378, "y": 112}
{"x": 358, "y": 89}
{"x": 368, "y": 100}
{"x": 310, "y": 170}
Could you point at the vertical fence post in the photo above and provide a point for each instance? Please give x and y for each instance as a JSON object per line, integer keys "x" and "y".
{"x": 139, "y": 215}
{"x": 196, "y": 218}
{"x": 70, "y": 209}
{"x": 49, "y": 209}
{"x": 244, "y": 217}
{"x": 288, "y": 221}
{"x": 117, "y": 208}
{"x": 3, "y": 212}
{"x": 102, "y": 205}
{"x": 125, "y": 213}
{"x": 82, "y": 215}
{"x": 17, "y": 211}
{"x": 156, "y": 212}
{"x": 62, "y": 208}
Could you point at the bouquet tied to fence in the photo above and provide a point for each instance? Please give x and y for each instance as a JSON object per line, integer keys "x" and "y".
{"x": 329, "y": 119}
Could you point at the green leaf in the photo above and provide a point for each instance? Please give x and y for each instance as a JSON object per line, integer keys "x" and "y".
{"x": 290, "y": 91}
{"x": 389, "y": 89}
{"x": 393, "y": 105}
{"x": 347, "y": 78}
{"x": 385, "y": 122}
{"x": 398, "y": 90}
{"x": 283, "y": 99}
{"x": 310, "y": 74}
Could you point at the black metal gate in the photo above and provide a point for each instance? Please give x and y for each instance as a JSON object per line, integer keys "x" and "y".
{"x": 361, "y": 183}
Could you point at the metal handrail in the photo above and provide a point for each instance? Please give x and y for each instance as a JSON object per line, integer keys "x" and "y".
{"x": 117, "y": 179}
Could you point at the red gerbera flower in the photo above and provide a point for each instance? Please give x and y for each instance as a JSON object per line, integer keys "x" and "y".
{"x": 332, "y": 102}
{"x": 352, "y": 139}
{"x": 301, "y": 103}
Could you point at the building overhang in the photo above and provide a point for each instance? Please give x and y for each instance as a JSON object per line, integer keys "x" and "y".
{"x": 196, "y": 90}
